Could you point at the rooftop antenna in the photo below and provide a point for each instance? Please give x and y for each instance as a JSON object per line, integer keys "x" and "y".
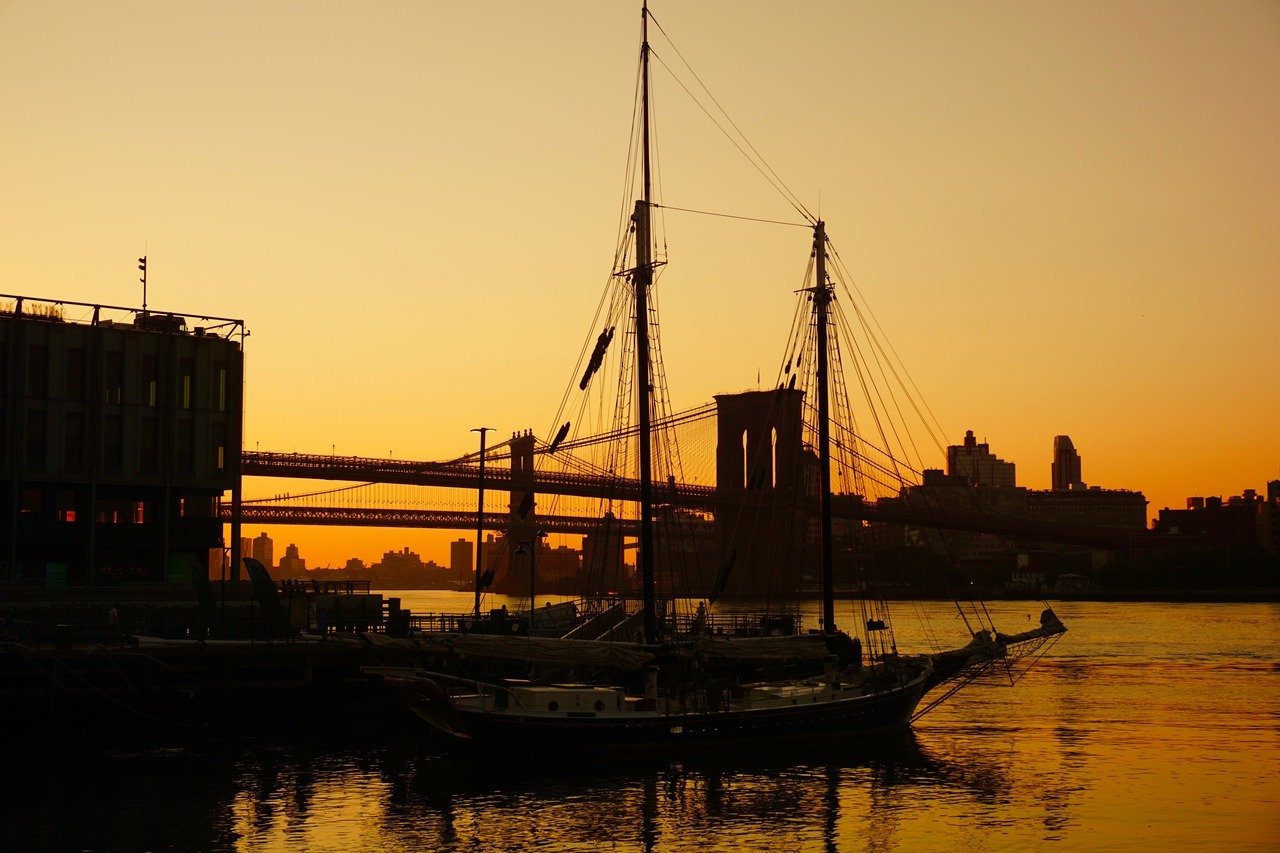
{"x": 142, "y": 265}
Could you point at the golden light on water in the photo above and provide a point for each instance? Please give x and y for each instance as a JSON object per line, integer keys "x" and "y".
{"x": 1139, "y": 729}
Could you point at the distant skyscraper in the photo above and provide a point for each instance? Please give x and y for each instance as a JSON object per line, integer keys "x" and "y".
{"x": 460, "y": 557}
{"x": 264, "y": 550}
{"x": 976, "y": 464}
{"x": 1066, "y": 464}
{"x": 291, "y": 564}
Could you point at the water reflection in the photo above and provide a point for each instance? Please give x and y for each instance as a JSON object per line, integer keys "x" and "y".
{"x": 1128, "y": 739}
{"x": 750, "y": 799}
{"x": 320, "y": 795}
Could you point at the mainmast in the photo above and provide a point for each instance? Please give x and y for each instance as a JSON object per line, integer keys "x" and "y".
{"x": 642, "y": 280}
{"x": 822, "y": 301}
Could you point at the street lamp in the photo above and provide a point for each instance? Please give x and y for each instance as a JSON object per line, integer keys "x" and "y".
{"x": 530, "y": 547}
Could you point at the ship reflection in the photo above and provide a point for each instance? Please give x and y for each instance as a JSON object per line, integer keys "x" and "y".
{"x": 723, "y": 800}
{"x": 322, "y": 792}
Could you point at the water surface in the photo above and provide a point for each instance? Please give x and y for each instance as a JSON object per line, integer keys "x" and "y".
{"x": 1148, "y": 726}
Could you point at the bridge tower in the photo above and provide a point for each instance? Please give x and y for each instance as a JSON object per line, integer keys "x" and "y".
{"x": 512, "y": 575}
{"x": 761, "y": 492}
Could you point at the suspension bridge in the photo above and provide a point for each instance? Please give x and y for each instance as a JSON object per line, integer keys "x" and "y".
{"x": 565, "y": 490}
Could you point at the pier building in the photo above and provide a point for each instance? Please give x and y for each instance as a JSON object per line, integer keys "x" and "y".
{"x": 121, "y": 431}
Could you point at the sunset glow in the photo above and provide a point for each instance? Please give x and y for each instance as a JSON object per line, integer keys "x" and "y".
{"x": 1064, "y": 215}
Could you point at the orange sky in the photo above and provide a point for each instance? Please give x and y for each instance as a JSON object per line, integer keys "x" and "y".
{"x": 1064, "y": 214}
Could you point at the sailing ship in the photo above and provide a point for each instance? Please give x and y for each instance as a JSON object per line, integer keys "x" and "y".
{"x": 684, "y": 684}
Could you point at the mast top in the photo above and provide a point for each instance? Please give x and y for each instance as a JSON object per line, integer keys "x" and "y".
{"x": 644, "y": 87}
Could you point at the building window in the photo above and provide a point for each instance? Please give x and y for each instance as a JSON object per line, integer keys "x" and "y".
{"x": 219, "y": 446}
{"x": 186, "y": 382}
{"x": 221, "y": 371}
{"x": 196, "y": 506}
{"x": 124, "y": 511}
{"x": 773, "y": 458}
{"x": 75, "y": 373}
{"x": 113, "y": 377}
{"x": 149, "y": 447}
{"x": 66, "y": 506}
{"x": 112, "y": 444}
{"x": 36, "y": 438}
{"x": 182, "y": 447}
{"x": 150, "y": 379}
{"x": 37, "y": 370}
{"x": 30, "y": 501}
{"x": 73, "y": 442}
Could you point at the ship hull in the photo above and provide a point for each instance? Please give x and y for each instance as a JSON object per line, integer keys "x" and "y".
{"x": 887, "y": 710}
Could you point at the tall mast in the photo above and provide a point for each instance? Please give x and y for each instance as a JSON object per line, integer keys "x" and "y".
{"x": 822, "y": 301}
{"x": 642, "y": 280}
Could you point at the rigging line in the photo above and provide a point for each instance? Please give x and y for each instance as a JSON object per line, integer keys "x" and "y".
{"x": 1043, "y": 650}
{"x": 798, "y": 343}
{"x": 795, "y": 341}
{"x": 657, "y": 225}
{"x": 884, "y": 361}
{"x": 849, "y": 284}
{"x": 628, "y": 184}
{"x": 791, "y": 197}
{"x": 606, "y": 308}
{"x": 773, "y": 182}
{"x": 843, "y": 321}
{"x": 865, "y": 470}
{"x": 734, "y": 216}
{"x": 601, "y": 306}
{"x": 702, "y": 412}
{"x": 859, "y": 363}
{"x": 887, "y": 370}
{"x": 864, "y": 449}
{"x": 791, "y": 353}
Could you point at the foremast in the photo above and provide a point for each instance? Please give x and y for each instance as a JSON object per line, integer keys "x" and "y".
{"x": 642, "y": 280}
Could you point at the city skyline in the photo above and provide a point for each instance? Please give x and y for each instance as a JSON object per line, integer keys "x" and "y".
{"x": 1063, "y": 216}
{"x": 433, "y": 542}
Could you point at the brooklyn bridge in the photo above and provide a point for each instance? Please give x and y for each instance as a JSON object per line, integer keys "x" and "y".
{"x": 521, "y": 476}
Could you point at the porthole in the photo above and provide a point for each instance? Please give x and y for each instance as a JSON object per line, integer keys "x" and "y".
{"x": 599, "y": 705}
{"x": 553, "y": 705}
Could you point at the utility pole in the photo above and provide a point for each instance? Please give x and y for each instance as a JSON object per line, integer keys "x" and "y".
{"x": 480, "y": 518}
